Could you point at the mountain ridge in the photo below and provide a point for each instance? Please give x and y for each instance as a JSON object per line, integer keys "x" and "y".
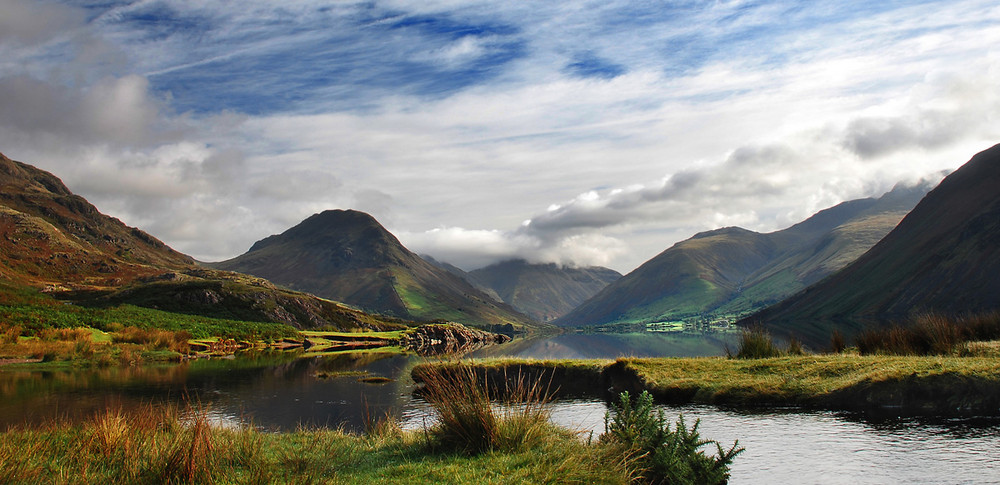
{"x": 940, "y": 258}
{"x": 733, "y": 271}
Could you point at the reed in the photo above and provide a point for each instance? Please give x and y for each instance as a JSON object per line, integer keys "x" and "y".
{"x": 475, "y": 417}
{"x": 757, "y": 343}
{"x": 930, "y": 335}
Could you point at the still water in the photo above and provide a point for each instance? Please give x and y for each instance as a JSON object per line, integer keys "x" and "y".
{"x": 282, "y": 392}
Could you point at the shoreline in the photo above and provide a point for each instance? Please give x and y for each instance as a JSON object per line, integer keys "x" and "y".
{"x": 873, "y": 385}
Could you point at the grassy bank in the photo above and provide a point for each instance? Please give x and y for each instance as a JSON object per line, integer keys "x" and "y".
{"x": 165, "y": 447}
{"x": 921, "y": 385}
{"x": 479, "y": 437}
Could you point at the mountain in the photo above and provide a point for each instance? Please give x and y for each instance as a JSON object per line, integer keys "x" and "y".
{"x": 50, "y": 236}
{"x": 542, "y": 291}
{"x": 54, "y": 240}
{"x": 348, "y": 256}
{"x": 732, "y": 271}
{"x": 943, "y": 257}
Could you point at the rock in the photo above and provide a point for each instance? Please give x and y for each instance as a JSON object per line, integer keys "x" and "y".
{"x": 449, "y": 338}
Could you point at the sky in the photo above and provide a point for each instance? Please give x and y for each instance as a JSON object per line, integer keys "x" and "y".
{"x": 576, "y": 132}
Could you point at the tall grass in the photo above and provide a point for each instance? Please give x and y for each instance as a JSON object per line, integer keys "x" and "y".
{"x": 169, "y": 445}
{"x": 473, "y": 417}
{"x": 757, "y": 343}
{"x": 930, "y": 335}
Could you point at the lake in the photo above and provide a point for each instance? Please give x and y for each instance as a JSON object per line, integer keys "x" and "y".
{"x": 278, "y": 391}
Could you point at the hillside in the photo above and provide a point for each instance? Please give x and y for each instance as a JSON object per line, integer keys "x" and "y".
{"x": 732, "y": 271}
{"x": 348, "y": 256}
{"x": 56, "y": 241}
{"x": 52, "y": 237}
{"x": 542, "y": 291}
{"x": 941, "y": 258}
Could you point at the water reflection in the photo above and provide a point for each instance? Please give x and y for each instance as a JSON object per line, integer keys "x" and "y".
{"x": 273, "y": 391}
{"x": 283, "y": 391}
{"x": 614, "y": 345}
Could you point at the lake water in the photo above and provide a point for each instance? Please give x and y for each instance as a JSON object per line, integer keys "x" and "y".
{"x": 281, "y": 392}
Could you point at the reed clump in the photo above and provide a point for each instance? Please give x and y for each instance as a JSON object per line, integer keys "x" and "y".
{"x": 475, "y": 417}
{"x": 757, "y": 343}
{"x": 930, "y": 335}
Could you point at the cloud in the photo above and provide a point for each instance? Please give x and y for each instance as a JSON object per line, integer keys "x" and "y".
{"x": 26, "y": 23}
{"x": 616, "y": 128}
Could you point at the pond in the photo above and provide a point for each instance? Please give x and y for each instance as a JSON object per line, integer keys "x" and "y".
{"x": 279, "y": 391}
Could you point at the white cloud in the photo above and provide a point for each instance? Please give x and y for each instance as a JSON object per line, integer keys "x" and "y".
{"x": 709, "y": 123}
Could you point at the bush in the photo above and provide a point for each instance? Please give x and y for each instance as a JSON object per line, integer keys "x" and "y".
{"x": 659, "y": 454}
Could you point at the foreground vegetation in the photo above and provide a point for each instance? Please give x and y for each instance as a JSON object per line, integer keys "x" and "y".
{"x": 477, "y": 440}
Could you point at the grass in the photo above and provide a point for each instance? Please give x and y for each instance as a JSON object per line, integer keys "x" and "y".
{"x": 927, "y": 384}
{"x": 472, "y": 417}
{"x": 167, "y": 445}
{"x": 931, "y": 335}
{"x": 33, "y": 312}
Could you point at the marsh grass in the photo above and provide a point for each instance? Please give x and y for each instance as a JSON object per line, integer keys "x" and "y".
{"x": 474, "y": 417}
{"x": 174, "y": 445}
{"x": 757, "y": 343}
{"x": 930, "y": 335}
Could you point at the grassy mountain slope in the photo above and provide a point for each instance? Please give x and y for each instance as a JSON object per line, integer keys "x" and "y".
{"x": 348, "y": 256}
{"x": 542, "y": 291}
{"x": 941, "y": 258}
{"x": 733, "y": 271}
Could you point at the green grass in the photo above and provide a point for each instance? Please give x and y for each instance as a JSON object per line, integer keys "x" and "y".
{"x": 936, "y": 384}
{"x": 34, "y": 311}
{"x": 164, "y": 446}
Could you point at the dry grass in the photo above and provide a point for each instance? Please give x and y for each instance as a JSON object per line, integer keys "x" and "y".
{"x": 166, "y": 445}
{"x": 473, "y": 417}
{"x": 930, "y": 335}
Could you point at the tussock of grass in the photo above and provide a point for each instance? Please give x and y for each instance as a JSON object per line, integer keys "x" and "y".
{"x": 757, "y": 343}
{"x": 472, "y": 419}
{"x": 930, "y": 335}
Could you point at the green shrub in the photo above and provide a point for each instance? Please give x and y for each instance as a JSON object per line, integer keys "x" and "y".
{"x": 659, "y": 454}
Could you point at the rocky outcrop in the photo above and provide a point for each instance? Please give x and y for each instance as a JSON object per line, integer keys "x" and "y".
{"x": 449, "y": 338}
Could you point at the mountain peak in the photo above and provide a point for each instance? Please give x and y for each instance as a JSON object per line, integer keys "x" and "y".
{"x": 346, "y": 255}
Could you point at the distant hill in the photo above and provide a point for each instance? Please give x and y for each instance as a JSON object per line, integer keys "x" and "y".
{"x": 732, "y": 271}
{"x": 348, "y": 256}
{"x": 542, "y": 291}
{"x": 943, "y": 257}
{"x": 54, "y": 240}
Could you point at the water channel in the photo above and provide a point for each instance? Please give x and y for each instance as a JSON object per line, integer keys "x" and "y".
{"x": 281, "y": 392}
